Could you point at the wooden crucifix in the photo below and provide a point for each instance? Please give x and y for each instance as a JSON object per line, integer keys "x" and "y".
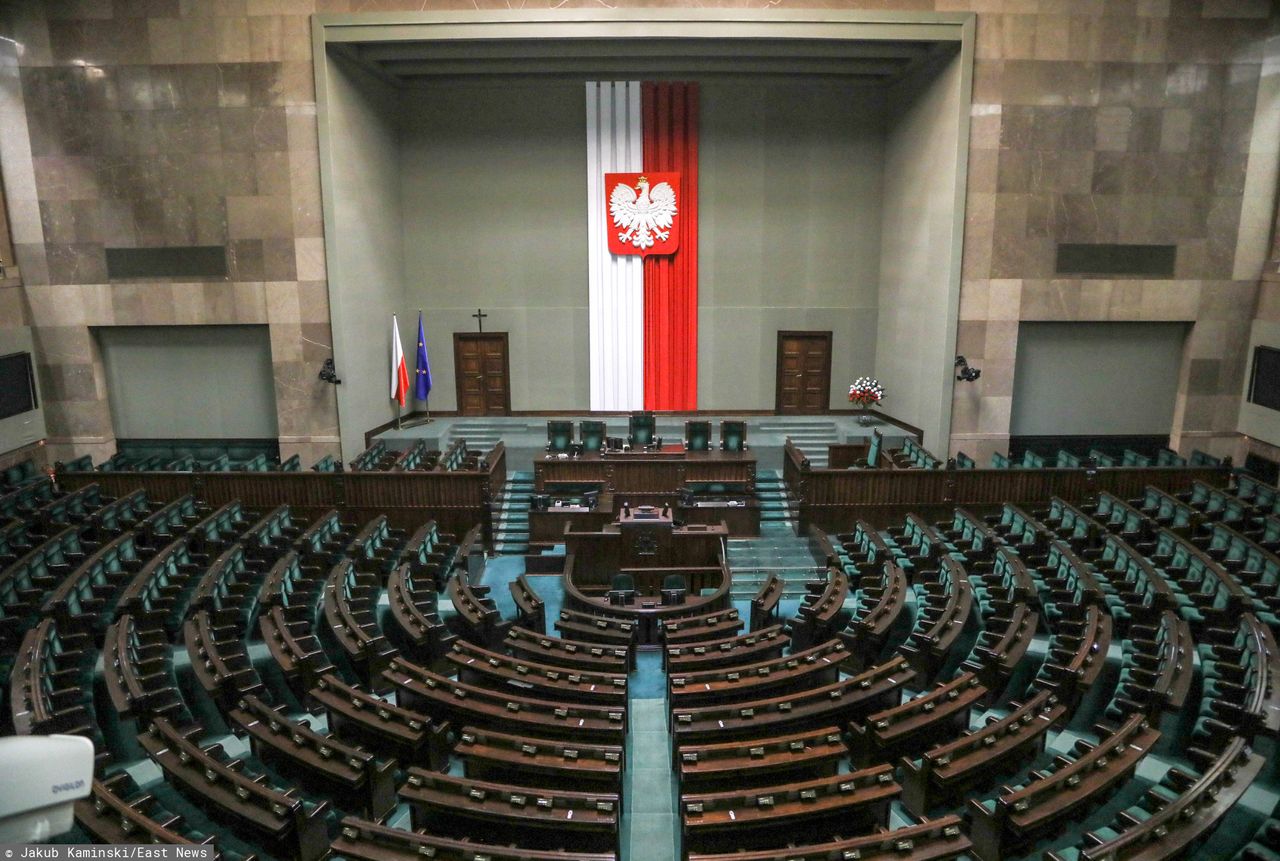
{"x": 480, "y": 315}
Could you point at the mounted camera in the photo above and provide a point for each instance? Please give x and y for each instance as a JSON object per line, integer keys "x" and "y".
{"x": 328, "y": 373}
{"x": 965, "y": 372}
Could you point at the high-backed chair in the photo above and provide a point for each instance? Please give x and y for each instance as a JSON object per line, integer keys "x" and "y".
{"x": 622, "y": 589}
{"x": 697, "y": 436}
{"x": 592, "y": 435}
{"x": 873, "y": 453}
{"x": 640, "y": 429}
{"x": 673, "y": 590}
{"x": 559, "y": 436}
{"x": 733, "y": 435}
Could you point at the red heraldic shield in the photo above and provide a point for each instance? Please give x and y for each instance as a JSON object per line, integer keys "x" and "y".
{"x": 643, "y": 212}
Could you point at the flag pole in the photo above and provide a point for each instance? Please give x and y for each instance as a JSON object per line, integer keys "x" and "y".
{"x": 427, "y": 420}
{"x": 397, "y": 361}
{"x": 413, "y": 420}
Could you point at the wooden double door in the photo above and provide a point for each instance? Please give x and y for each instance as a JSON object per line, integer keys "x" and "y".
{"x": 482, "y": 368}
{"x": 804, "y": 373}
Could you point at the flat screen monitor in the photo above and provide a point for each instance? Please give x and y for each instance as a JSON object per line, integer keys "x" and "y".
{"x": 671, "y": 597}
{"x": 619, "y": 597}
{"x": 17, "y": 385}
{"x": 1264, "y": 381}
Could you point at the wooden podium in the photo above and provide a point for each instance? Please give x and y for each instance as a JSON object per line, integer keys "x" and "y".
{"x": 644, "y": 542}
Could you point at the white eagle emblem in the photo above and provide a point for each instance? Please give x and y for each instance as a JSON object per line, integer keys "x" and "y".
{"x": 643, "y": 213}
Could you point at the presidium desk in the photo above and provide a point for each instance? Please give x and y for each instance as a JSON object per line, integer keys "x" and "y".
{"x": 706, "y": 487}
{"x": 646, "y": 543}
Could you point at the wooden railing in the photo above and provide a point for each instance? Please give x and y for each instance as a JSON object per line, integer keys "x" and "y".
{"x": 456, "y": 500}
{"x": 834, "y": 499}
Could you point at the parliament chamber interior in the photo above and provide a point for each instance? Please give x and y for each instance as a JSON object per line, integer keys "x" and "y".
{"x": 827, "y": 433}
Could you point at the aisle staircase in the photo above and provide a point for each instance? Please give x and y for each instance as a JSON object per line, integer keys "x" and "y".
{"x": 811, "y": 436}
{"x": 511, "y": 513}
{"x": 480, "y": 434}
{"x": 752, "y": 560}
{"x": 777, "y": 509}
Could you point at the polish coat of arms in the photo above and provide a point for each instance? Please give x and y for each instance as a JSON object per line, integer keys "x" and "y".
{"x": 643, "y": 212}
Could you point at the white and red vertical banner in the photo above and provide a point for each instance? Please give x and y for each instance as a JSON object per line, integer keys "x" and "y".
{"x": 669, "y": 118}
{"x": 642, "y": 162}
{"x": 615, "y": 283}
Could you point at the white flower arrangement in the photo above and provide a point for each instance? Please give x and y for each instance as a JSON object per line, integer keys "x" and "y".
{"x": 866, "y": 392}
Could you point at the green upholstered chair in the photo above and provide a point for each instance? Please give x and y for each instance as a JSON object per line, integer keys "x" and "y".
{"x": 641, "y": 429}
{"x": 592, "y": 434}
{"x": 674, "y": 591}
{"x": 873, "y": 452}
{"x": 697, "y": 436}
{"x": 559, "y": 436}
{"x": 733, "y": 435}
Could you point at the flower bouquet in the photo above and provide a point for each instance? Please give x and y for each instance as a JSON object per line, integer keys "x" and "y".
{"x": 866, "y": 392}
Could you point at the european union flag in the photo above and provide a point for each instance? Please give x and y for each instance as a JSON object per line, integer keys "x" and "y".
{"x": 422, "y": 379}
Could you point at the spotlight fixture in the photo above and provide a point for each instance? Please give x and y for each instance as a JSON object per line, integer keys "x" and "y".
{"x": 965, "y": 372}
{"x": 328, "y": 373}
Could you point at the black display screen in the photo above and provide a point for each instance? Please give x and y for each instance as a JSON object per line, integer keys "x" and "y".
{"x": 17, "y": 385}
{"x": 1264, "y": 382}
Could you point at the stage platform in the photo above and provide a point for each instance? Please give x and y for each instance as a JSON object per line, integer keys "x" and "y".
{"x": 526, "y": 436}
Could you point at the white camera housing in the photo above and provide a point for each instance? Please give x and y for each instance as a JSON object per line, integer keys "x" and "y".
{"x": 44, "y": 775}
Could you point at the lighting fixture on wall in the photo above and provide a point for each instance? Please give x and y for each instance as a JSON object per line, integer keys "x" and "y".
{"x": 965, "y": 372}
{"x": 328, "y": 373}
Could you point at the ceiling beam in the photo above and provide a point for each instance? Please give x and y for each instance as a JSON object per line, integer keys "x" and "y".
{"x": 611, "y": 48}
{"x": 667, "y": 66}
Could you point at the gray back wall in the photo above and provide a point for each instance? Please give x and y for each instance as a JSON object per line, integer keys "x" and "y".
{"x": 919, "y": 268}
{"x": 789, "y": 230}
{"x": 189, "y": 382}
{"x": 1096, "y": 378}
{"x": 494, "y": 203}
{"x": 361, "y": 168}
{"x": 493, "y": 191}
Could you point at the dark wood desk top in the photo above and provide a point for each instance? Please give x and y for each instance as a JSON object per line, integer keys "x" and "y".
{"x": 643, "y": 515}
{"x": 652, "y": 475}
{"x": 674, "y": 451}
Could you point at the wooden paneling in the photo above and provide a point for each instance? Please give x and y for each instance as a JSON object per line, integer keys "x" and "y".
{"x": 663, "y": 472}
{"x": 602, "y": 554}
{"x": 834, "y": 499}
{"x": 456, "y": 500}
{"x": 648, "y": 613}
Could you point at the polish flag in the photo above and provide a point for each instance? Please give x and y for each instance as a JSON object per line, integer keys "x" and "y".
{"x": 642, "y": 244}
{"x": 399, "y": 371}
